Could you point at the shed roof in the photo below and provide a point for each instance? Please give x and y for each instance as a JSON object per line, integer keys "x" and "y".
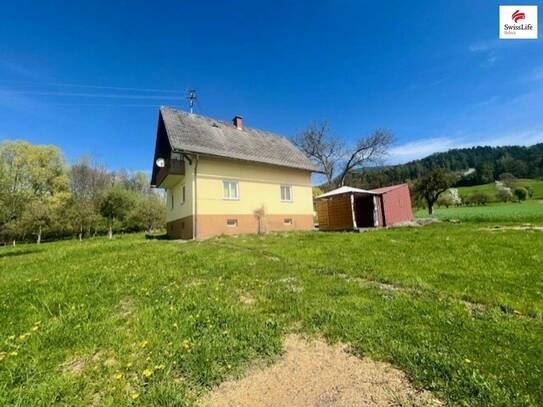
{"x": 347, "y": 190}
{"x": 384, "y": 190}
{"x": 199, "y": 134}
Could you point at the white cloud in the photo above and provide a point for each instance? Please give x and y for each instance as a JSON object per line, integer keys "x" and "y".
{"x": 419, "y": 149}
{"x": 483, "y": 46}
{"x": 423, "y": 147}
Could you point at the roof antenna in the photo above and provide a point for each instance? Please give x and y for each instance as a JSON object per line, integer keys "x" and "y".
{"x": 191, "y": 98}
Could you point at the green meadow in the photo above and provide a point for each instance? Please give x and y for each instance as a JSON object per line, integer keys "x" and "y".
{"x": 137, "y": 321}
{"x": 490, "y": 189}
{"x": 523, "y": 212}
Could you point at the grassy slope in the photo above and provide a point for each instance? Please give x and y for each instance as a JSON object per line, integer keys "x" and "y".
{"x": 527, "y": 211}
{"x": 174, "y": 309}
{"x": 490, "y": 189}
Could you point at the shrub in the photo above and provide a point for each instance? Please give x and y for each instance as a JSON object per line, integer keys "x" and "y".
{"x": 521, "y": 193}
{"x": 445, "y": 200}
{"x": 504, "y": 195}
{"x": 478, "y": 198}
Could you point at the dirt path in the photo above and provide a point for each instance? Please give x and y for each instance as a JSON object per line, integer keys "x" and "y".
{"x": 317, "y": 374}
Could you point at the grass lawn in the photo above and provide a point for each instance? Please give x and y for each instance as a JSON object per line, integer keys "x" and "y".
{"x": 527, "y": 211}
{"x": 459, "y": 308}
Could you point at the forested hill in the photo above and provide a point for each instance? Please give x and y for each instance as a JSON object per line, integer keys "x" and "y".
{"x": 488, "y": 162}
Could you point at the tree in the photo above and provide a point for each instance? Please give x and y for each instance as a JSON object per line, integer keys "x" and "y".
{"x": 504, "y": 194}
{"x": 336, "y": 159}
{"x": 88, "y": 180}
{"x": 115, "y": 205}
{"x": 520, "y": 193}
{"x": 12, "y": 231}
{"x": 445, "y": 200}
{"x": 507, "y": 178}
{"x": 29, "y": 175}
{"x": 431, "y": 185}
{"x": 477, "y": 198}
{"x": 149, "y": 213}
{"x": 81, "y": 215}
{"x": 37, "y": 216}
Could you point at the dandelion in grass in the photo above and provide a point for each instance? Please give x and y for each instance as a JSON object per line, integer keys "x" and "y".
{"x": 144, "y": 344}
{"x": 13, "y": 353}
{"x": 129, "y": 365}
{"x": 118, "y": 376}
{"x": 11, "y": 337}
{"x": 135, "y": 396}
{"x": 147, "y": 373}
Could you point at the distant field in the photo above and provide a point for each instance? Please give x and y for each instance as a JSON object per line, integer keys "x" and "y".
{"x": 151, "y": 322}
{"x": 527, "y": 211}
{"x": 490, "y": 189}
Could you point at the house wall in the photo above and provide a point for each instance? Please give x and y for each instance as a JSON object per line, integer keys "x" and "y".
{"x": 180, "y": 209}
{"x": 259, "y": 189}
{"x": 397, "y": 205}
{"x": 179, "y": 223}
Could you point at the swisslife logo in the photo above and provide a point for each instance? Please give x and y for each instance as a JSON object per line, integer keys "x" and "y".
{"x": 518, "y": 22}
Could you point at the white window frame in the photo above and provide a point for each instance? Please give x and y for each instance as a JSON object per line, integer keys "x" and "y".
{"x": 172, "y": 200}
{"x": 183, "y": 194}
{"x": 226, "y": 186}
{"x": 232, "y": 223}
{"x": 290, "y": 193}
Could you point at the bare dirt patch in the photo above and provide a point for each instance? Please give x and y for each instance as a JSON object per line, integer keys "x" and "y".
{"x": 74, "y": 366}
{"x": 125, "y": 308}
{"x": 246, "y": 299}
{"x": 525, "y": 228}
{"x": 317, "y": 374}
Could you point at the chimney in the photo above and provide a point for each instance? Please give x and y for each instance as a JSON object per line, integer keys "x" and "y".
{"x": 238, "y": 122}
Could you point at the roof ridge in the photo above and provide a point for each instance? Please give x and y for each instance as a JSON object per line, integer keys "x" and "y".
{"x": 183, "y": 112}
{"x": 205, "y": 135}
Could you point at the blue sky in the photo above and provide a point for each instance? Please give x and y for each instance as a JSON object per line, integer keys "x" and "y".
{"x": 90, "y": 76}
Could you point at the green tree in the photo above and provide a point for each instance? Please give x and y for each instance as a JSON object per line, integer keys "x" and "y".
{"x": 28, "y": 174}
{"x": 38, "y": 215}
{"x": 81, "y": 215}
{"x": 445, "y": 200}
{"x": 520, "y": 193}
{"x": 115, "y": 206}
{"x": 148, "y": 214}
{"x": 432, "y": 184}
{"x": 504, "y": 194}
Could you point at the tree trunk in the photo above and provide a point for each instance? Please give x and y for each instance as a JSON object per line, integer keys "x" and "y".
{"x": 430, "y": 208}
{"x": 38, "y": 241}
{"x": 110, "y": 230}
{"x": 80, "y": 233}
{"x": 14, "y": 242}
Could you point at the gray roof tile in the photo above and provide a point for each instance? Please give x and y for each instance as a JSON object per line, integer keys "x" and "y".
{"x": 199, "y": 134}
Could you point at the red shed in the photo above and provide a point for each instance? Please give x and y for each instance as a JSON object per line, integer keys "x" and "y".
{"x": 396, "y": 204}
{"x": 353, "y": 208}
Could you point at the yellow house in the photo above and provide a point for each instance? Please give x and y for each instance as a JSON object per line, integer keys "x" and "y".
{"x": 223, "y": 178}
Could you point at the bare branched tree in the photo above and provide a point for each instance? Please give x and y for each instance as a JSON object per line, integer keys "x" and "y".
{"x": 331, "y": 154}
{"x": 326, "y": 151}
{"x": 368, "y": 150}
